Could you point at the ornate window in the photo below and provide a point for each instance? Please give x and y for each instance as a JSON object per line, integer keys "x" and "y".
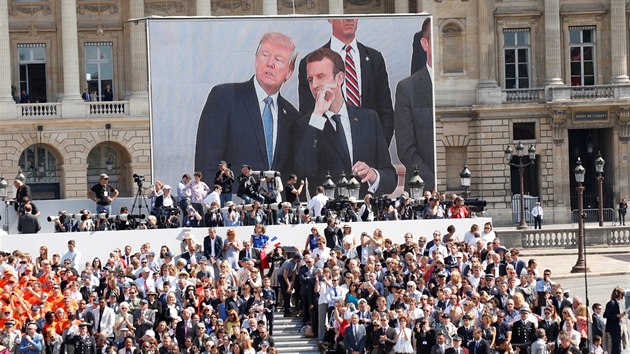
{"x": 99, "y": 67}
{"x": 582, "y": 54}
{"x": 516, "y": 54}
{"x": 39, "y": 164}
{"x": 32, "y": 62}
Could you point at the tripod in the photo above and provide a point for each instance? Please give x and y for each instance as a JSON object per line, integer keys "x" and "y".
{"x": 143, "y": 202}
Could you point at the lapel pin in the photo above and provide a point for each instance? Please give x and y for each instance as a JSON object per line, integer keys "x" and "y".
{"x": 367, "y": 58}
{"x": 284, "y": 111}
{"x": 356, "y": 119}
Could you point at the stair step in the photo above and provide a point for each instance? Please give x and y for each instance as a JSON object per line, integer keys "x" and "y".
{"x": 298, "y": 349}
{"x": 288, "y": 336}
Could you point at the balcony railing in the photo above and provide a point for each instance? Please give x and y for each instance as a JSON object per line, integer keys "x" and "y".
{"x": 108, "y": 109}
{"x": 592, "y": 92}
{"x": 39, "y": 110}
{"x": 529, "y": 95}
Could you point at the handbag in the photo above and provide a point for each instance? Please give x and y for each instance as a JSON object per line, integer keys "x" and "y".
{"x": 308, "y": 332}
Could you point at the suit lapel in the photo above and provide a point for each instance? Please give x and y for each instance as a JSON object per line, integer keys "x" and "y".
{"x": 250, "y": 102}
{"x": 366, "y": 71}
{"x": 357, "y": 132}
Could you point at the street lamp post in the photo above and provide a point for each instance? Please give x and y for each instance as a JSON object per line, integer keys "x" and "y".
{"x": 599, "y": 168}
{"x": 329, "y": 187}
{"x": 416, "y": 185}
{"x": 342, "y": 185}
{"x": 580, "y": 265}
{"x": 464, "y": 177}
{"x": 520, "y": 148}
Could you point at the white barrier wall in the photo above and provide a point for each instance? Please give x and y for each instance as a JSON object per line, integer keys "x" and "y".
{"x": 99, "y": 244}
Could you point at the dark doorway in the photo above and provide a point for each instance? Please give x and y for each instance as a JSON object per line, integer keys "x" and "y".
{"x": 33, "y": 81}
{"x": 530, "y": 176}
{"x": 586, "y": 144}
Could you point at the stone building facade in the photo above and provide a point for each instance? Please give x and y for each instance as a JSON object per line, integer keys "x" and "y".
{"x": 548, "y": 73}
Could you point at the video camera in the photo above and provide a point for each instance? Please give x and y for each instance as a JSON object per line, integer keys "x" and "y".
{"x": 138, "y": 179}
{"x": 475, "y": 205}
{"x": 63, "y": 216}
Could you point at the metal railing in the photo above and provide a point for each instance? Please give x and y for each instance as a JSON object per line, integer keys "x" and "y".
{"x": 592, "y": 215}
{"x": 592, "y": 92}
{"x": 529, "y": 95}
{"x": 39, "y": 110}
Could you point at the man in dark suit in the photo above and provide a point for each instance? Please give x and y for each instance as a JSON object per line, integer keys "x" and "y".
{"x": 598, "y": 323}
{"x": 559, "y": 301}
{"x": 249, "y": 252}
{"x": 354, "y": 337}
{"x": 192, "y": 257}
{"x": 186, "y": 328}
{"x": 307, "y": 278}
{"x": 440, "y": 345}
{"x": 213, "y": 250}
{"x": 551, "y": 327}
{"x": 341, "y": 137}
{"x": 143, "y": 318}
{"x": 250, "y": 122}
{"x": 28, "y": 223}
{"x": 384, "y": 338}
{"x": 457, "y": 346}
{"x": 478, "y": 345}
{"x": 373, "y": 83}
{"x": 413, "y": 118}
{"x": 613, "y": 315}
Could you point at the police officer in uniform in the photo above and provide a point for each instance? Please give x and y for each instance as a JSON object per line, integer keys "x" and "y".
{"x": 523, "y": 332}
{"x": 83, "y": 342}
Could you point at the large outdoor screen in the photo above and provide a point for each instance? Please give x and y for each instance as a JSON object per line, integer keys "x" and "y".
{"x": 303, "y": 95}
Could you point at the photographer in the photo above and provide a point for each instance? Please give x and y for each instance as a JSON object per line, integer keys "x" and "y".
{"x": 271, "y": 189}
{"x": 248, "y": 186}
{"x": 63, "y": 222}
{"x": 366, "y": 213}
{"x": 433, "y": 210}
{"x": 86, "y": 223}
{"x": 292, "y": 193}
{"x": 22, "y": 191}
{"x": 256, "y": 215}
{"x": 213, "y": 217}
{"x": 405, "y": 209}
{"x": 232, "y": 216}
{"x": 285, "y": 216}
{"x": 124, "y": 220}
{"x": 225, "y": 178}
{"x": 192, "y": 217}
{"x": 103, "y": 194}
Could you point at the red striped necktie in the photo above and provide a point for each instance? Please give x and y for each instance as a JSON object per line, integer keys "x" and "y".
{"x": 353, "y": 96}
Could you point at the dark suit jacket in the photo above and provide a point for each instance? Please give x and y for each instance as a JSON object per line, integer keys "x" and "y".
{"x": 598, "y": 325}
{"x": 319, "y": 153}
{"x": 186, "y": 256}
{"x": 147, "y": 324}
{"x": 159, "y": 201}
{"x": 352, "y": 343}
{"x": 231, "y": 129}
{"x": 181, "y": 335}
{"x": 414, "y": 125}
{"x": 484, "y": 347}
{"x": 28, "y": 224}
{"x": 218, "y": 247}
{"x": 388, "y": 346}
{"x": 452, "y": 350}
{"x": 307, "y": 283}
{"x": 375, "y": 92}
{"x": 610, "y": 314}
{"x": 436, "y": 349}
{"x": 255, "y": 255}
{"x": 552, "y": 330}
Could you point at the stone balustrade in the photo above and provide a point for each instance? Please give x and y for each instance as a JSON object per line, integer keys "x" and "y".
{"x": 39, "y": 110}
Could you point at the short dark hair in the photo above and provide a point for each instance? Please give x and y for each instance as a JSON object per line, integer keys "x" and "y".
{"x": 426, "y": 29}
{"x": 322, "y": 53}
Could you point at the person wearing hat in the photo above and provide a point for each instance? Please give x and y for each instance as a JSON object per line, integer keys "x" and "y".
{"x": 456, "y": 346}
{"x": 103, "y": 194}
{"x": 458, "y": 210}
{"x": 10, "y": 336}
{"x": 523, "y": 331}
{"x": 143, "y": 318}
{"x": 164, "y": 203}
{"x": 82, "y": 341}
{"x": 224, "y": 178}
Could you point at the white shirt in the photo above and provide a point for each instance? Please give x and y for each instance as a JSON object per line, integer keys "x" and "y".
{"x": 323, "y": 256}
{"x": 73, "y": 256}
{"x": 317, "y": 203}
{"x": 212, "y": 197}
{"x": 537, "y": 210}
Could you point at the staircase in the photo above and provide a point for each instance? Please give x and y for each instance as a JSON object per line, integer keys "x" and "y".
{"x": 289, "y": 339}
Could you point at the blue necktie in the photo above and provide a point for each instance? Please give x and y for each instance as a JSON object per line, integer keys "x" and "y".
{"x": 268, "y": 125}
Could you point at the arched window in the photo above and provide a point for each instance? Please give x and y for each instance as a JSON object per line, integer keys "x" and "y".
{"x": 39, "y": 164}
{"x": 104, "y": 158}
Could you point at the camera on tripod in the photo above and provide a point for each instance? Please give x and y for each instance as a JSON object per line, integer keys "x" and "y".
{"x": 138, "y": 179}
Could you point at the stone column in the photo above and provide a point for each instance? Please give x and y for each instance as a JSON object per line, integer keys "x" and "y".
{"x": 553, "y": 43}
{"x": 618, "y": 35}
{"x": 270, "y": 7}
{"x": 5, "y": 61}
{"x": 401, "y": 6}
{"x": 488, "y": 91}
{"x": 335, "y": 7}
{"x": 203, "y": 8}
{"x": 70, "y": 44}
{"x": 137, "y": 93}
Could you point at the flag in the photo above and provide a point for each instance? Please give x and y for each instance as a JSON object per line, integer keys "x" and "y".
{"x": 275, "y": 242}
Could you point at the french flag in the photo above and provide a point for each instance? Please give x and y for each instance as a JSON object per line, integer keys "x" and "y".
{"x": 275, "y": 242}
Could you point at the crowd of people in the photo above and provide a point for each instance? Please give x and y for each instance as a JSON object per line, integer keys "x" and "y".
{"x": 446, "y": 294}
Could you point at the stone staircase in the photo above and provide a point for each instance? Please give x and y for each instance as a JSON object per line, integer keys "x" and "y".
{"x": 289, "y": 339}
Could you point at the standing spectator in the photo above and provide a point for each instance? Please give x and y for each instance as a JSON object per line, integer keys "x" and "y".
{"x": 213, "y": 197}
{"x": 225, "y": 178}
{"x": 22, "y": 191}
{"x": 354, "y": 337}
{"x": 614, "y": 315}
{"x": 598, "y": 322}
{"x": 86, "y": 95}
{"x": 156, "y": 191}
{"x": 537, "y": 213}
{"x": 28, "y": 223}
{"x": 213, "y": 250}
{"x": 478, "y": 345}
{"x": 292, "y": 193}
{"x": 10, "y": 337}
{"x": 623, "y": 208}
{"x": 317, "y": 203}
{"x": 198, "y": 192}
{"x": 404, "y": 338}
{"x": 385, "y": 337}
{"x": 183, "y": 193}
{"x": 25, "y": 97}
{"x": 103, "y": 194}
{"x": 73, "y": 254}
{"x": 366, "y": 213}
{"x": 108, "y": 95}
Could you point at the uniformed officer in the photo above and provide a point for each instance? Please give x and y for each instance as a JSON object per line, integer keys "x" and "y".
{"x": 10, "y": 337}
{"x": 523, "y": 332}
{"x": 83, "y": 342}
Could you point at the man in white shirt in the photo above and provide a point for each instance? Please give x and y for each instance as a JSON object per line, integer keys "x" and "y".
{"x": 215, "y": 196}
{"x": 73, "y": 254}
{"x": 316, "y": 203}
